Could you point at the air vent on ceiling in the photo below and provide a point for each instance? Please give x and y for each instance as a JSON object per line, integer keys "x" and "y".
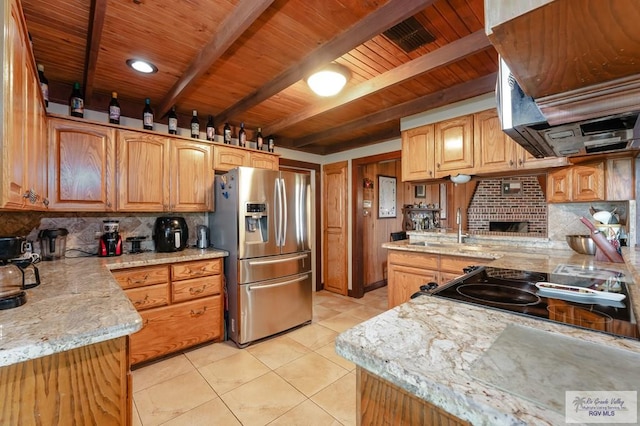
{"x": 409, "y": 35}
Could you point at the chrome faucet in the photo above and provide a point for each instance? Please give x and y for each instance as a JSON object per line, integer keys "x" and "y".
{"x": 459, "y": 223}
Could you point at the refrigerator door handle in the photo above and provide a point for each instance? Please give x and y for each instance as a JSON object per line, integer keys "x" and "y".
{"x": 280, "y": 284}
{"x": 283, "y": 205}
{"x": 270, "y": 261}
{"x": 276, "y": 211}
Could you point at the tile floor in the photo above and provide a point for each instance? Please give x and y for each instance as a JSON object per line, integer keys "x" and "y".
{"x": 292, "y": 379}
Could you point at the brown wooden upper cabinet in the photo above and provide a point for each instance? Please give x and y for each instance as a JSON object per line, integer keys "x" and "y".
{"x": 454, "y": 146}
{"x": 23, "y": 124}
{"x": 227, "y": 157}
{"x": 610, "y": 179}
{"x": 81, "y": 166}
{"x": 418, "y": 159}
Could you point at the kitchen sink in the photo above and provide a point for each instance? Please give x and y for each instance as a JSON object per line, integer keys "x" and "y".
{"x": 452, "y": 246}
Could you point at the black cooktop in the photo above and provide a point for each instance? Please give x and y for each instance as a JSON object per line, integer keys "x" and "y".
{"x": 515, "y": 291}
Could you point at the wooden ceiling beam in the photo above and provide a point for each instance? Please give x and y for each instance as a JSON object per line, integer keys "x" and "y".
{"x": 96, "y": 24}
{"x": 469, "y": 89}
{"x": 234, "y": 25}
{"x": 450, "y": 53}
{"x": 393, "y": 12}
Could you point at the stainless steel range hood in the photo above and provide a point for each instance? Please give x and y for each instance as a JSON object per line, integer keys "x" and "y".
{"x": 522, "y": 120}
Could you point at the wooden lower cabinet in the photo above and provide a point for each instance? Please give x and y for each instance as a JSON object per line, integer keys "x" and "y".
{"x": 407, "y": 271}
{"x": 379, "y": 402}
{"x": 89, "y": 385}
{"x": 181, "y": 305}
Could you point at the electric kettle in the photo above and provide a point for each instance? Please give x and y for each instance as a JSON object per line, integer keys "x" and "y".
{"x": 53, "y": 243}
{"x": 202, "y": 233}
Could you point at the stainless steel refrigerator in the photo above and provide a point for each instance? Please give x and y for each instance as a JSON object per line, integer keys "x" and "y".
{"x": 262, "y": 217}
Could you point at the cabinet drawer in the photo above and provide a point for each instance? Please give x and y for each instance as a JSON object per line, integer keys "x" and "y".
{"x": 196, "y": 288}
{"x": 199, "y": 268}
{"x": 149, "y": 297}
{"x": 176, "y": 327}
{"x": 417, "y": 260}
{"x": 138, "y": 277}
{"x": 455, "y": 264}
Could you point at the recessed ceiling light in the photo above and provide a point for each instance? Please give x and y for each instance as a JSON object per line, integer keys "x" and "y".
{"x": 142, "y": 66}
{"x": 329, "y": 80}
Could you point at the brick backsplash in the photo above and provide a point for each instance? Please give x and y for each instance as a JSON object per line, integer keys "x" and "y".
{"x": 83, "y": 227}
{"x": 489, "y": 204}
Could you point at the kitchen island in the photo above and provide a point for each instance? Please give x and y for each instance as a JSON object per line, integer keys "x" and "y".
{"x": 429, "y": 347}
{"x": 64, "y": 354}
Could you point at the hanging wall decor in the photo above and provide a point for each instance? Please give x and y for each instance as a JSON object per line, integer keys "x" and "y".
{"x": 386, "y": 196}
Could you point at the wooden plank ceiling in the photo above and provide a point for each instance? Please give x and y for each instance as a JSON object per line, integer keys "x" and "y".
{"x": 246, "y": 61}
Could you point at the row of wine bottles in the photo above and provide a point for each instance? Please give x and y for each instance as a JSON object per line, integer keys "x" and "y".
{"x": 76, "y": 109}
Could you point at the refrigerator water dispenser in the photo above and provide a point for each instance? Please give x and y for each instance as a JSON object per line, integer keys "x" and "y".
{"x": 256, "y": 223}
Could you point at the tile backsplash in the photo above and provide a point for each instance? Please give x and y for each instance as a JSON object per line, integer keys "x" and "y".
{"x": 85, "y": 228}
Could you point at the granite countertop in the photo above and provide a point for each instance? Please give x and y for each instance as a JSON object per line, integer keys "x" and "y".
{"x": 428, "y": 345}
{"x": 78, "y": 303}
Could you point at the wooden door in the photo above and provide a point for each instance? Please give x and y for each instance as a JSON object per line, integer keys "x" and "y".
{"x": 418, "y": 154}
{"x": 143, "y": 172}
{"x": 494, "y": 150}
{"x": 454, "y": 146}
{"x": 559, "y": 186}
{"x": 620, "y": 179}
{"x": 334, "y": 213}
{"x": 226, "y": 158}
{"x": 191, "y": 176}
{"x": 36, "y": 143}
{"x": 262, "y": 160}
{"x": 81, "y": 166}
{"x": 406, "y": 280}
{"x": 588, "y": 182}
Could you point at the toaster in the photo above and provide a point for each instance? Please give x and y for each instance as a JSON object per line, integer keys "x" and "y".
{"x": 170, "y": 233}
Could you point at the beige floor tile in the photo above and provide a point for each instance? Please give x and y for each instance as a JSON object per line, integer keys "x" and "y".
{"x": 135, "y": 417}
{"x": 365, "y": 312}
{"x": 311, "y": 373}
{"x": 207, "y": 354}
{"x": 160, "y": 371}
{"x": 339, "y": 399}
{"x": 208, "y": 414}
{"x": 340, "y": 322}
{"x": 321, "y": 313}
{"x": 329, "y": 351}
{"x": 324, "y": 295}
{"x": 341, "y": 305}
{"x": 262, "y": 400}
{"x": 308, "y": 414}
{"x": 171, "y": 398}
{"x": 233, "y": 371}
{"x": 278, "y": 351}
{"x": 313, "y": 336}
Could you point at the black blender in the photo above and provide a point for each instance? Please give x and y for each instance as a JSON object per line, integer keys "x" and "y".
{"x": 110, "y": 241}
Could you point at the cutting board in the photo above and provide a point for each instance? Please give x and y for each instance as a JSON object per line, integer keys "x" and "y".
{"x": 540, "y": 366}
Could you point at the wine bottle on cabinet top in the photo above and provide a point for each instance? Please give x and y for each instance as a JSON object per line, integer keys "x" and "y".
{"x": 211, "y": 130}
{"x": 195, "y": 125}
{"x": 259, "y": 139}
{"x": 114, "y": 109}
{"x": 147, "y": 115}
{"x": 76, "y": 102}
{"x": 227, "y": 133}
{"x": 271, "y": 143}
{"x": 173, "y": 121}
{"x": 44, "y": 84}
{"x": 242, "y": 136}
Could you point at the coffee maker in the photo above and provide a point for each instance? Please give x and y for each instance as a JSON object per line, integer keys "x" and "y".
{"x": 110, "y": 241}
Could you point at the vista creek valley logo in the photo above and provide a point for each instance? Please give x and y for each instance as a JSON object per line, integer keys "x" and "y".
{"x": 601, "y": 406}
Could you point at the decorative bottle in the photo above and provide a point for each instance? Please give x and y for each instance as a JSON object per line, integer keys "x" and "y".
{"x": 114, "y": 109}
{"x": 147, "y": 115}
{"x": 271, "y": 143}
{"x": 227, "y": 133}
{"x": 242, "y": 136}
{"x": 195, "y": 125}
{"x": 44, "y": 84}
{"x": 173, "y": 121}
{"x": 211, "y": 130}
{"x": 76, "y": 102}
{"x": 259, "y": 139}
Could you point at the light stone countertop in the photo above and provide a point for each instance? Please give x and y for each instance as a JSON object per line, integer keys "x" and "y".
{"x": 428, "y": 345}
{"x": 78, "y": 303}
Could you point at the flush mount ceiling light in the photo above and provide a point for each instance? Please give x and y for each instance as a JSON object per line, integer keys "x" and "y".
{"x": 329, "y": 80}
{"x": 142, "y": 66}
{"x": 459, "y": 178}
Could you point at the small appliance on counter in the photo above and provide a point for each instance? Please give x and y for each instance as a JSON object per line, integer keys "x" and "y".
{"x": 53, "y": 243}
{"x": 135, "y": 244}
{"x": 202, "y": 232}
{"x": 110, "y": 241}
{"x": 170, "y": 233}
{"x": 17, "y": 272}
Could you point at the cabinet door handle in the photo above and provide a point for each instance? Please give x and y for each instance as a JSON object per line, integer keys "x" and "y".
{"x": 520, "y": 162}
{"x": 141, "y": 302}
{"x": 510, "y": 163}
{"x": 438, "y": 165}
{"x": 142, "y": 281}
{"x": 195, "y": 314}
{"x": 195, "y": 291}
{"x": 45, "y": 202}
